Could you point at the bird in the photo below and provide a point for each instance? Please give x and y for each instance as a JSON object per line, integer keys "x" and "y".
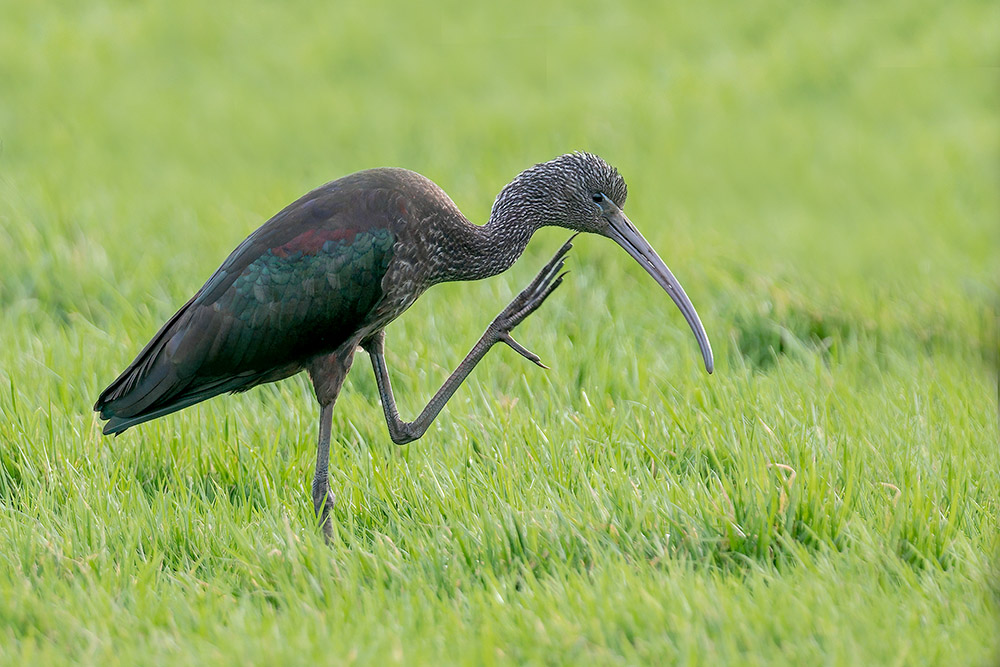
{"x": 324, "y": 277}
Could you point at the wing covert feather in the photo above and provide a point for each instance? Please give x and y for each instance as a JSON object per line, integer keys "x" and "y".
{"x": 300, "y": 285}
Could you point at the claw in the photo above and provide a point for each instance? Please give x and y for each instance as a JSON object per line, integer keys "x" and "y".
{"x": 553, "y": 267}
{"x": 550, "y": 288}
{"x": 537, "y": 297}
{"x": 530, "y": 298}
{"x": 522, "y": 350}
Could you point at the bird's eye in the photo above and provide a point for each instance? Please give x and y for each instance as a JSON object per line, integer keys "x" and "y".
{"x": 598, "y": 197}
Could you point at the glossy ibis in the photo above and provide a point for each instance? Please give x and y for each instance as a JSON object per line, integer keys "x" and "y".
{"x": 330, "y": 271}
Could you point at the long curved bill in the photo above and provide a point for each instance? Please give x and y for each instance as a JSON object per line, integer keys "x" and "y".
{"x": 628, "y": 237}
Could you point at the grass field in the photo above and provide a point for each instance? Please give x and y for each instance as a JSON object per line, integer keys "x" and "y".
{"x": 822, "y": 177}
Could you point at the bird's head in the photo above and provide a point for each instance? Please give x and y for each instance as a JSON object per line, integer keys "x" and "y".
{"x": 582, "y": 192}
{"x": 577, "y": 191}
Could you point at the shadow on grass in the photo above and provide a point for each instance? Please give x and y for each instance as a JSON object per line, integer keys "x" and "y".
{"x": 762, "y": 338}
{"x": 787, "y": 324}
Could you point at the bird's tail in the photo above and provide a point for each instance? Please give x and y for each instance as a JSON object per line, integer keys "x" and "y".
{"x": 154, "y": 385}
{"x": 120, "y": 418}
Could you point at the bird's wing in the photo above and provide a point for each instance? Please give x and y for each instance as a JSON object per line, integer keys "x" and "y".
{"x": 298, "y": 286}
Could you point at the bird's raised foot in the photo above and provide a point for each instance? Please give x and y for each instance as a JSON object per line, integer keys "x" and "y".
{"x": 530, "y": 298}
{"x": 522, "y": 350}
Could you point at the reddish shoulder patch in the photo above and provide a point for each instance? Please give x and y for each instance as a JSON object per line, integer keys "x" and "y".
{"x": 311, "y": 241}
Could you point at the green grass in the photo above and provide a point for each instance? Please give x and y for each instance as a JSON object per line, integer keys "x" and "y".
{"x": 821, "y": 176}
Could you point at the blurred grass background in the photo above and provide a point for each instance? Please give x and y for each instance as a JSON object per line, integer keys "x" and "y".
{"x": 821, "y": 177}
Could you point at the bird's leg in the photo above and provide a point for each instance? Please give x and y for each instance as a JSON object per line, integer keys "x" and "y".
{"x": 322, "y": 498}
{"x": 499, "y": 330}
{"x": 327, "y": 373}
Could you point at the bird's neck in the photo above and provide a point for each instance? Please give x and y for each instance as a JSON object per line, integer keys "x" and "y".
{"x": 474, "y": 252}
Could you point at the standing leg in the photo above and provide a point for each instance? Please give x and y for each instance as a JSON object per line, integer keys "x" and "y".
{"x": 322, "y": 498}
{"x": 328, "y": 375}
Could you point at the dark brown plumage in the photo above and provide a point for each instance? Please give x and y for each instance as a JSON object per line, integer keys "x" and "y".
{"x": 326, "y": 275}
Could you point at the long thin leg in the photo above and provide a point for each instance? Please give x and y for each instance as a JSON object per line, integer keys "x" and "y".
{"x": 322, "y": 498}
{"x": 327, "y": 373}
{"x": 499, "y": 330}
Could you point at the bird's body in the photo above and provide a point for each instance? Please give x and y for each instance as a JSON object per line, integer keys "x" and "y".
{"x": 331, "y": 270}
{"x": 337, "y": 264}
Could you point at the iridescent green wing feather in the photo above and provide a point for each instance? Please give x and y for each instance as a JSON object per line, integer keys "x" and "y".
{"x": 302, "y": 298}
{"x": 300, "y": 285}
